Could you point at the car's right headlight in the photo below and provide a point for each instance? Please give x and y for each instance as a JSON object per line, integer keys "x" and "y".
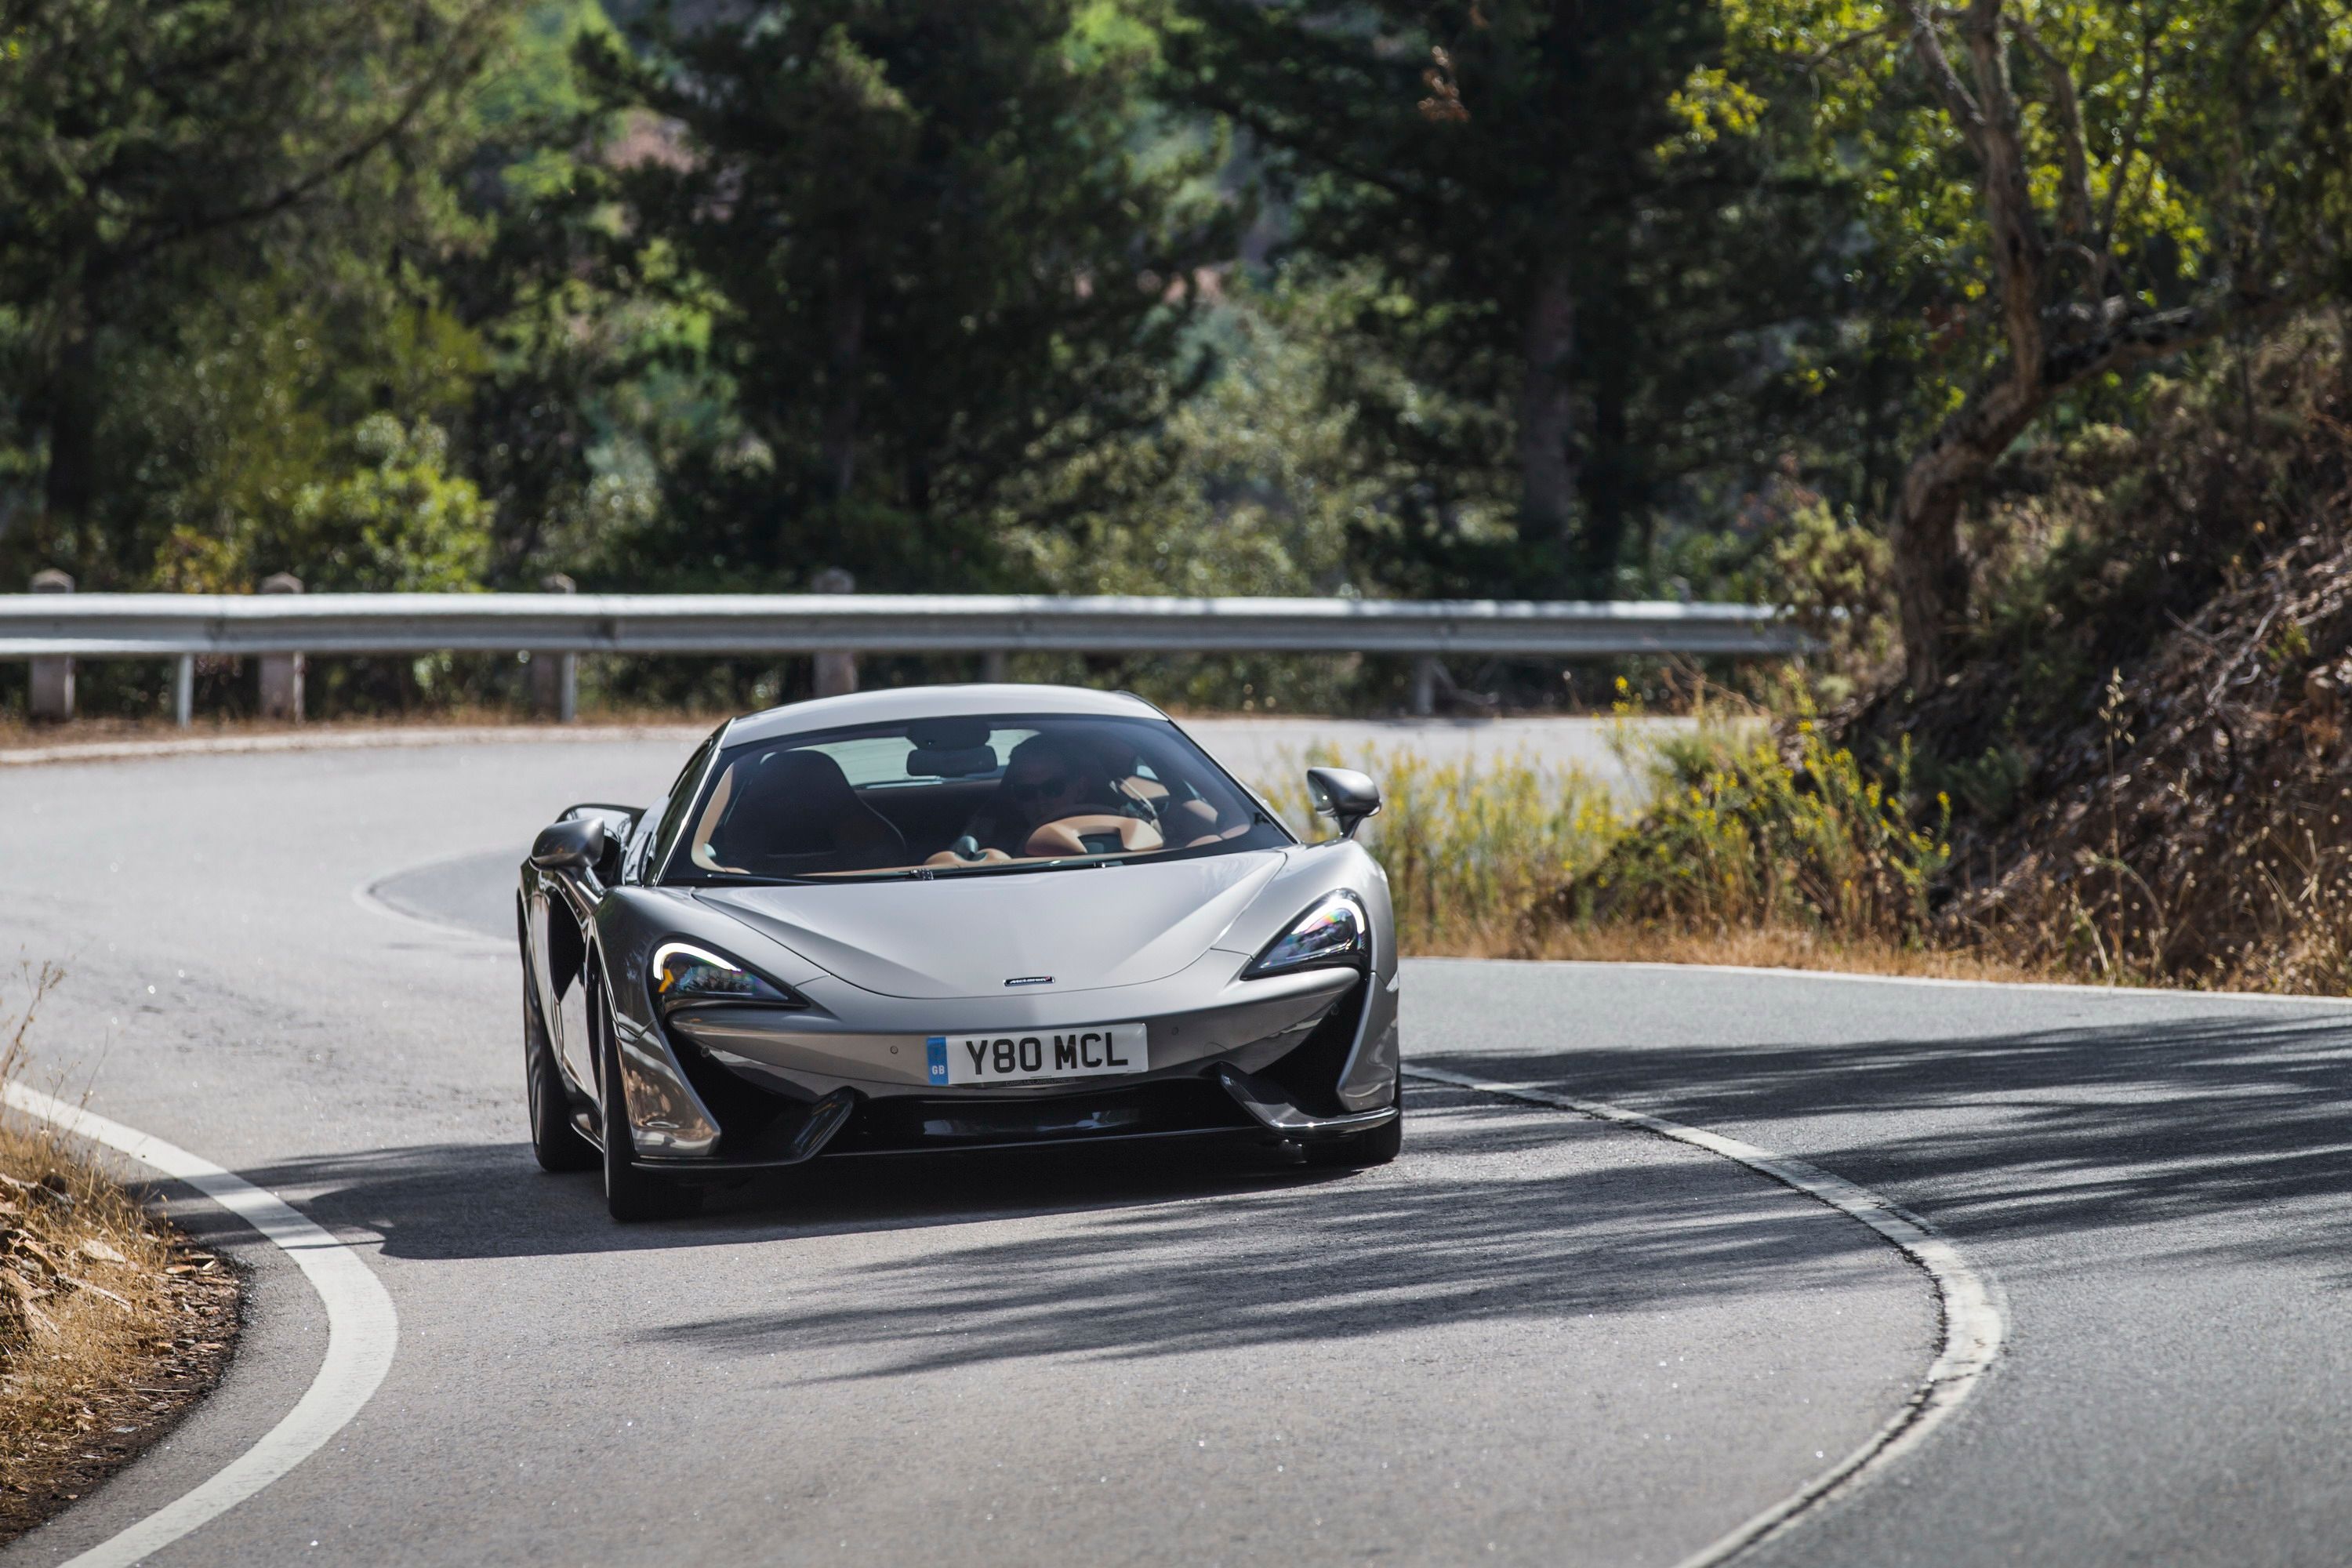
{"x": 684, "y": 974}
{"x": 1332, "y": 931}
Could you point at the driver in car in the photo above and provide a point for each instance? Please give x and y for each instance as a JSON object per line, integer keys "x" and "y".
{"x": 1045, "y": 780}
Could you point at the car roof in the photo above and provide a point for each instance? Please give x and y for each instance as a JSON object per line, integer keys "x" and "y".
{"x": 901, "y": 703}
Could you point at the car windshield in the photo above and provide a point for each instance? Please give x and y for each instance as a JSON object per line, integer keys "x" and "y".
{"x": 964, "y": 795}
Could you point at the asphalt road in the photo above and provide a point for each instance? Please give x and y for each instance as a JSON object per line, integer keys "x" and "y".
{"x": 1535, "y": 1338}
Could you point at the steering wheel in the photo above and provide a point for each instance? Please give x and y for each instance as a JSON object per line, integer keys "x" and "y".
{"x": 1067, "y": 835}
{"x": 966, "y": 851}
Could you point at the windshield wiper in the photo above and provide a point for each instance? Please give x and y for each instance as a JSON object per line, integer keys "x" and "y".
{"x": 983, "y": 868}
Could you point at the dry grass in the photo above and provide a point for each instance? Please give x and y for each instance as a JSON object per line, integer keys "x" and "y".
{"x": 1801, "y": 849}
{"x": 1776, "y": 948}
{"x": 1746, "y": 856}
{"x": 110, "y": 1324}
{"x": 1469, "y": 848}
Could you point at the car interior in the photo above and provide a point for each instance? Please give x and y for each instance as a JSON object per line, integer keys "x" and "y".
{"x": 952, "y": 794}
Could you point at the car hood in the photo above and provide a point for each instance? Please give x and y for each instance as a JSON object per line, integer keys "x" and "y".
{"x": 1086, "y": 927}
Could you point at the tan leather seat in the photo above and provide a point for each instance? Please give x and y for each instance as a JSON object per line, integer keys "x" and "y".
{"x": 796, "y": 811}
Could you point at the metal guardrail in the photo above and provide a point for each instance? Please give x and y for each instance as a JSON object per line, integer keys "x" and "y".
{"x": 165, "y": 625}
{"x": 282, "y": 624}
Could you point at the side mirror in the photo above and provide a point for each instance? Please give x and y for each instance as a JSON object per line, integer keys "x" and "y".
{"x": 575, "y": 846}
{"x": 1343, "y": 794}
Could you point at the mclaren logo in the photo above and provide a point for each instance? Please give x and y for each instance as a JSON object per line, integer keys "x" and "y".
{"x": 1032, "y": 980}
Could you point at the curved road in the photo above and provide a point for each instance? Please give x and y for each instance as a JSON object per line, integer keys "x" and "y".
{"x": 1536, "y": 1338}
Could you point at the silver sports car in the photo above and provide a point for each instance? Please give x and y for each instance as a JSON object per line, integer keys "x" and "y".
{"x": 951, "y": 918}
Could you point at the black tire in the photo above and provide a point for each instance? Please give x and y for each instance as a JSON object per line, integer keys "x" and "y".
{"x": 630, "y": 1194}
{"x": 554, "y": 1141}
{"x": 1359, "y": 1149}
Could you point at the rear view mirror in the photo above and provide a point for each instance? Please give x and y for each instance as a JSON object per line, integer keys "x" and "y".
{"x": 573, "y": 847}
{"x": 943, "y": 763}
{"x": 1343, "y": 794}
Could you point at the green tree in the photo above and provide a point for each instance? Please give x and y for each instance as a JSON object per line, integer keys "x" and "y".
{"x": 153, "y": 147}
{"x": 2081, "y": 188}
{"x": 1550, "y": 319}
{"x": 934, "y": 256}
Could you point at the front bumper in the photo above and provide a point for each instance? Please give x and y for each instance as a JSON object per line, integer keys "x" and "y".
{"x": 844, "y": 1123}
{"x": 1265, "y": 1060}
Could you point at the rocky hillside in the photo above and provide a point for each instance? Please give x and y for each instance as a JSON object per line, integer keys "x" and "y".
{"x": 2146, "y": 749}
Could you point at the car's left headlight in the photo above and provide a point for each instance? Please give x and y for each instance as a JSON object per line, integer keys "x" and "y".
{"x": 683, "y": 973}
{"x": 1333, "y": 931}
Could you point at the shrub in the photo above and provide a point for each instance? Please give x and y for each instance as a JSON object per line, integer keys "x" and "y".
{"x": 1747, "y": 834}
{"x": 1737, "y": 835}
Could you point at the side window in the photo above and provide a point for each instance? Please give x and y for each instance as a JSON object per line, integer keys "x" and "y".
{"x": 681, "y": 801}
{"x": 633, "y": 858}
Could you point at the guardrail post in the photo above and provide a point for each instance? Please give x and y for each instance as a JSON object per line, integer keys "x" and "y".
{"x": 50, "y": 699}
{"x": 555, "y": 677}
{"x": 1425, "y": 684}
{"x": 991, "y": 666}
{"x": 183, "y": 689}
{"x": 836, "y": 672}
{"x": 281, "y": 673}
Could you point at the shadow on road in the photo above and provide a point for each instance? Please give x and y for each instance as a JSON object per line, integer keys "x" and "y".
{"x": 2072, "y": 1130}
{"x": 1495, "y": 1212}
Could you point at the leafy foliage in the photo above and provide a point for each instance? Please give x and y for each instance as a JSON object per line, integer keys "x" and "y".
{"x": 161, "y": 152}
{"x": 1742, "y": 836}
{"x": 2082, "y": 188}
{"x": 934, "y": 258}
{"x": 1544, "y": 318}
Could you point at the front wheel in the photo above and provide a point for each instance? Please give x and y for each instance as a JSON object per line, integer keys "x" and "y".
{"x": 554, "y": 1141}
{"x": 631, "y": 1195}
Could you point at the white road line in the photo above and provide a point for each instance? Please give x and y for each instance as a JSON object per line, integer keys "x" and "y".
{"x": 356, "y": 740}
{"x": 362, "y": 1330}
{"x": 1971, "y": 1321}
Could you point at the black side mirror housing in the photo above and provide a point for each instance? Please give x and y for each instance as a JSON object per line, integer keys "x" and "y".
{"x": 574, "y": 847}
{"x": 1345, "y": 796}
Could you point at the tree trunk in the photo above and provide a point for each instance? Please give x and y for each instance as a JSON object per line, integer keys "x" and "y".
{"x": 843, "y": 367}
{"x": 1931, "y": 579}
{"x": 1612, "y": 479}
{"x": 70, "y": 486}
{"x": 1547, "y": 424}
{"x": 1931, "y": 575}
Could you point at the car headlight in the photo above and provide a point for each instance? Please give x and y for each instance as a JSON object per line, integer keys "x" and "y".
{"x": 1332, "y": 931}
{"x": 684, "y": 974}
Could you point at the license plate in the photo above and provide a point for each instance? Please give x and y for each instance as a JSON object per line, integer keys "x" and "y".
{"x": 1087, "y": 1051}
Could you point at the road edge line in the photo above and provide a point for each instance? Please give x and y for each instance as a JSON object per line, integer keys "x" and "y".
{"x": 277, "y": 743}
{"x": 363, "y": 1331}
{"x": 1971, "y": 1318}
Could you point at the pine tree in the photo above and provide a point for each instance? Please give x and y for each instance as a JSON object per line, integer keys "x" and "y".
{"x": 936, "y": 256}
{"x": 150, "y": 145}
{"x": 1551, "y": 312}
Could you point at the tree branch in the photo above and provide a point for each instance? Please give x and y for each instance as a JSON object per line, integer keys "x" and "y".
{"x": 1958, "y": 102}
{"x": 2128, "y": 338}
{"x": 2074, "y": 195}
{"x": 2018, "y": 253}
{"x": 300, "y": 189}
{"x": 1891, "y": 27}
